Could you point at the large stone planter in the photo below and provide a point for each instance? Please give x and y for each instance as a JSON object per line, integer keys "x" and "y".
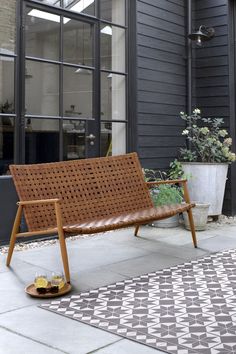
{"x": 206, "y": 183}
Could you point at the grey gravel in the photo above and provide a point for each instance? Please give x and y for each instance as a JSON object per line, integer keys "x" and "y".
{"x": 212, "y": 224}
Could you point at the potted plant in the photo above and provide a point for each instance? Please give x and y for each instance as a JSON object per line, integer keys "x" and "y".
{"x": 206, "y": 159}
{"x": 164, "y": 194}
{"x": 200, "y": 211}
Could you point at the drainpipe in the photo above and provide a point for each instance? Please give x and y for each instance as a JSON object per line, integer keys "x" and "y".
{"x": 189, "y": 57}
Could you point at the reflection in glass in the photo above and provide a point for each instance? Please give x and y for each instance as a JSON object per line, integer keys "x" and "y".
{"x": 113, "y": 11}
{"x": 41, "y": 140}
{"x": 77, "y": 44}
{"x": 77, "y": 88}
{"x": 7, "y": 85}
{"x": 42, "y": 34}
{"x": 112, "y": 48}
{"x": 74, "y": 139}
{"x": 41, "y": 88}
{"x": 113, "y": 96}
{"x": 113, "y": 138}
{"x": 8, "y": 27}
{"x": 6, "y": 143}
{"x": 51, "y": 2}
{"x": 80, "y": 6}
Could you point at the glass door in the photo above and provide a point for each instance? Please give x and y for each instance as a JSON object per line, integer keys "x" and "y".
{"x": 58, "y": 69}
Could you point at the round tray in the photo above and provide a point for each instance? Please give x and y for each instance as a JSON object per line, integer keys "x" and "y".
{"x": 31, "y": 290}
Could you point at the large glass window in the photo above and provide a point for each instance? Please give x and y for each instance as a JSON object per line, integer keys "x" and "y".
{"x": 74, "y": 132}
{"x": 80, "y": 6}
{"x": 6, "y": 143}
{"x": 113, "y": 77}
{"x": 42, "y": 34}
{"x": 77, "y": 92}
{"x": 78, "y": 42}
{"x": 7, "y": 83}
{"x": 54, "y": 100}
{"x": 112, "y": 48}
{"x": 7, "y": 26}
{"x": 113, "y": 138}
{"x": 7, "y": 87}
{"x": 41, "y": 140}
{"x": 113, "y": 96}
{"x": 113, "y": 11}
{"x": 41, "y": 88}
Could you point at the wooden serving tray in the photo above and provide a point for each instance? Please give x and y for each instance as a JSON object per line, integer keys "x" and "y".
{"x": 31, "y": 290}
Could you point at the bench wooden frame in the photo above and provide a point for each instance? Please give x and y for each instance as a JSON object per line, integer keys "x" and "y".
{"x": 81, "y": 198}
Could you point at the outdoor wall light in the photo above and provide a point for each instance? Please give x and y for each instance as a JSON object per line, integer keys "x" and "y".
{"x": 202, "y": 34}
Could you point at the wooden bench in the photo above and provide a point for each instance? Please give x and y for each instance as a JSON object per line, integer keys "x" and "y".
{"x": 86, "y": 196}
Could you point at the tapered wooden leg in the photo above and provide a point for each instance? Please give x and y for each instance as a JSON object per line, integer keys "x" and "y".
{"x": 136, "y": 230}
{"x": 15, "y": 230}
{"x": 191, "y": 222}
{"x": 64, "y": 255}
{"x": 62, "y": 242}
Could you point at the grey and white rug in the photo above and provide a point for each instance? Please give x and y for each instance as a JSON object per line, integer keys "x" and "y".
{"x": 186, "y": 309}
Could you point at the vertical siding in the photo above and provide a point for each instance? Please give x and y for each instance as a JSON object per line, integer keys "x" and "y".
{"x": 211, "y": 69}
{"x": 161, "y": 79}
{"x": 211, "y": 64}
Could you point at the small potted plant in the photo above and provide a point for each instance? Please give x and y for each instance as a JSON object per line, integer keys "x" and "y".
{"x": 164, "y": 194}
{"x": 206, "y": 159}
{"x": 200, "y": 212}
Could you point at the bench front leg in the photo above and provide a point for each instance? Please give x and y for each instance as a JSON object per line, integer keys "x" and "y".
{"x": 190, "y": 214}
{"x": 186, "y": 198}
{"x": 62, "y": 242}
{"x": 14, "y": 232}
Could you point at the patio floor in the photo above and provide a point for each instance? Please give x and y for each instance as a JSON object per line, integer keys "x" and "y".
{"x": 94, "y": 261}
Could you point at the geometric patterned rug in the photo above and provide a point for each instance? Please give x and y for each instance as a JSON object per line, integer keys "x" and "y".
{"x": 186, "y": 309}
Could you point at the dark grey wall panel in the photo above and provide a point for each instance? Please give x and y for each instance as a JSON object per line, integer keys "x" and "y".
{"x": 163, "y": 141}
{"x": 169, "y": 6}
{"x": 158, "y": 9}
{"x": 211, "y": 68}
{"x": 168, "y": 88}
{"x": 160, "y": 23}
{"x": 161, "y": 84}
{"x": 8, "y": 208}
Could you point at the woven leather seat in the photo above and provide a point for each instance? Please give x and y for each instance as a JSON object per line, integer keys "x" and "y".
{"x": 86, "y": 196}
{"x": 125, "y": 220}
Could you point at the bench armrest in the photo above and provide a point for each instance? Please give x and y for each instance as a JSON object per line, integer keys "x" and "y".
{"x": 168, "y": 181}
{"x": 173, "y": 181}
{"x": 40, "y": 201}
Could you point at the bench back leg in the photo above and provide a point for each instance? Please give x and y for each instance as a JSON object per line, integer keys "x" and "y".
{"x": 15, "y": 230}
{"x": 136, "y": 230}
{"x": 191, "y": 222}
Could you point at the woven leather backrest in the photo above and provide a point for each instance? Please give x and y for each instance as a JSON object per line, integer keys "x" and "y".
{"x": 88, "y": 189}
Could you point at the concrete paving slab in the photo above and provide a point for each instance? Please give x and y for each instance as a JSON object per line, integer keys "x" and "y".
{"x": 100, "y": 260}
{"x": 12, "y": 293}
{"x": 56, "y": 331}
{"x": 12, "y": 343}
{"x": 125, "y": 346}
{"x": 145, "y": 264}
{"x": 82, "y": 256}
{"x": 13, "y": 283}
{"x": 92, "y": 279}
{"x": 177, "y": 236}
{"x": 218, "y": 243}
{"x": 170, "y": 250}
